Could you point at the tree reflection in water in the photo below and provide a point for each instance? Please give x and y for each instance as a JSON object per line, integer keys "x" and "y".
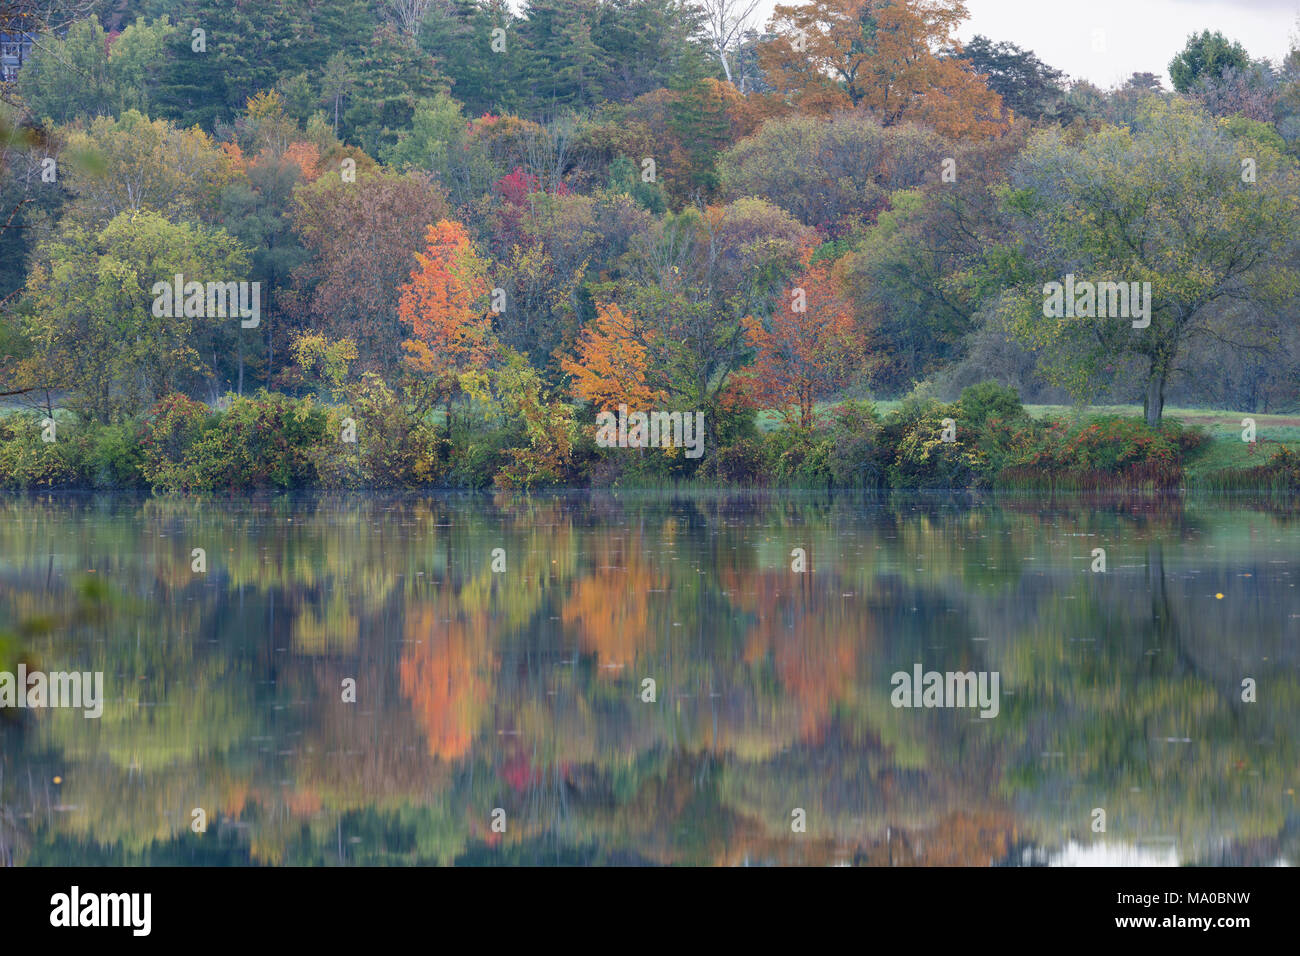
{"x": 523, "y": 690}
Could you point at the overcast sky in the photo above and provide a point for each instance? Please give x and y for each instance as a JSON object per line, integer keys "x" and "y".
{"x": 1140, "y": 35}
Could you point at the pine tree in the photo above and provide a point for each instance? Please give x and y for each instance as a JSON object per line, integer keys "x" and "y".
{"x": 486, "y": 71}
{"x": 391, "y": 78}
{"x": 700, "y": 121}
{"x": 564, "y": 63}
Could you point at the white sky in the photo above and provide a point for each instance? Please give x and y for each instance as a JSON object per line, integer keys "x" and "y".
{"x": 1140, "y": 35}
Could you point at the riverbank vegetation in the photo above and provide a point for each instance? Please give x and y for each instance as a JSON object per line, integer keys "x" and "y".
{"x": 273, "y": 441}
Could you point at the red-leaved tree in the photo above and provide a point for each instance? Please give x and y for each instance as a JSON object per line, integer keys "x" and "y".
{"x": 807, "y": 349}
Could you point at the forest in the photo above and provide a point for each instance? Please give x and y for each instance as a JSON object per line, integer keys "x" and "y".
{"x": 472, "y": 227}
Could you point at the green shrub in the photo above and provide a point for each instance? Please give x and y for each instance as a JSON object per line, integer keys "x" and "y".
{"x": 922, "y": 459}
{"x": 113, "y": 456}
{"x": 392, "y": 449}
{"x": 857, "y": 457}
{"x": 27, "y": 461}
{"x": 989, "y": 401}
{"x": 1186, "y": 438}
{"x": 1099, "y": 453}
{"x": 641, "y": 467}
{"x": 544, "y": 428}
{"x": 476, "y": 457}
{"x": 1115, "y": 445}
{"x": 798, "y": 456}
{"x": 265, "y": 441}
{"x": 741, "y": 463}
{"x": 170, "y": 428}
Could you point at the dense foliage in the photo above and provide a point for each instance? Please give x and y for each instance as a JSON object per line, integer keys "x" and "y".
{"x": 471, "y": 229}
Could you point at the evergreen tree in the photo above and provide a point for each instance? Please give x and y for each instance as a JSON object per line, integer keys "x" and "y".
{"x": 698, "y": 118}
{"x": 250, "y": 48}
{"x": 392, "y": 76}
{"x": 646, "y": 43}
{"x": 564, "y": 63}
{"x": 1027, "y": 85}
{"x": 486, "y": 71}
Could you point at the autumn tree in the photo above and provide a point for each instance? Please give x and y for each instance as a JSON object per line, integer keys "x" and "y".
{"x": 611, "y": 365}
{"x": 689, "y": 282}
{"x": 564, "y": 241}
{"x": 887, "y": 57}
{"x": 93, "y": 324}
{"x": 918, "y": 276}
{"x": 323, "y": 361}
{"x": 256, "y": 207}
{"x": 132, "y": 163}
{"x": 807, "y": 348}
{"x": 443, "y": 305}
{"x": 363, "y": 237}
{"x": 831, "y": 173}
{"x": 539, "y": 299}
{"x": 1252, "y": 93}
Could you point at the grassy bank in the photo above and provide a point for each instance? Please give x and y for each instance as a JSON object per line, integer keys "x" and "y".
{"x": 985, "y": 440}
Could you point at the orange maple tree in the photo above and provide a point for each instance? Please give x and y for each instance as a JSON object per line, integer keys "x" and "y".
{"x": 881, "y": 56}
{"x": 443, "y": 307}
{"x": 612, "y": 365}
{"x": 807, "y": 348}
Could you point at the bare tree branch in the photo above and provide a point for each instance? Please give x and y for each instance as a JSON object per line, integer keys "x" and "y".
{"x": 407, "y": 15}
{"x": 726, "y": 22}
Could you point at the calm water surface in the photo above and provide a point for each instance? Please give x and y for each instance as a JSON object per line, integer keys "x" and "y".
{"x": 521, "y": 693}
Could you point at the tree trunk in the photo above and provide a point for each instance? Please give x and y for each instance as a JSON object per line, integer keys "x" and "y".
{"x": 1153, "y": 406}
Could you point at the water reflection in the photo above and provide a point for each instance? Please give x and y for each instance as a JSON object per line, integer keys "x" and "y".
{"x": 526, "y": 690}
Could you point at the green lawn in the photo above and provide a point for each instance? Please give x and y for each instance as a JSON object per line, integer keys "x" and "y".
{"x": 1225, "y": 450}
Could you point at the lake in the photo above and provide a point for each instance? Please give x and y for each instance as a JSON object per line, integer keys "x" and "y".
{"x": 645, "y": 678}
